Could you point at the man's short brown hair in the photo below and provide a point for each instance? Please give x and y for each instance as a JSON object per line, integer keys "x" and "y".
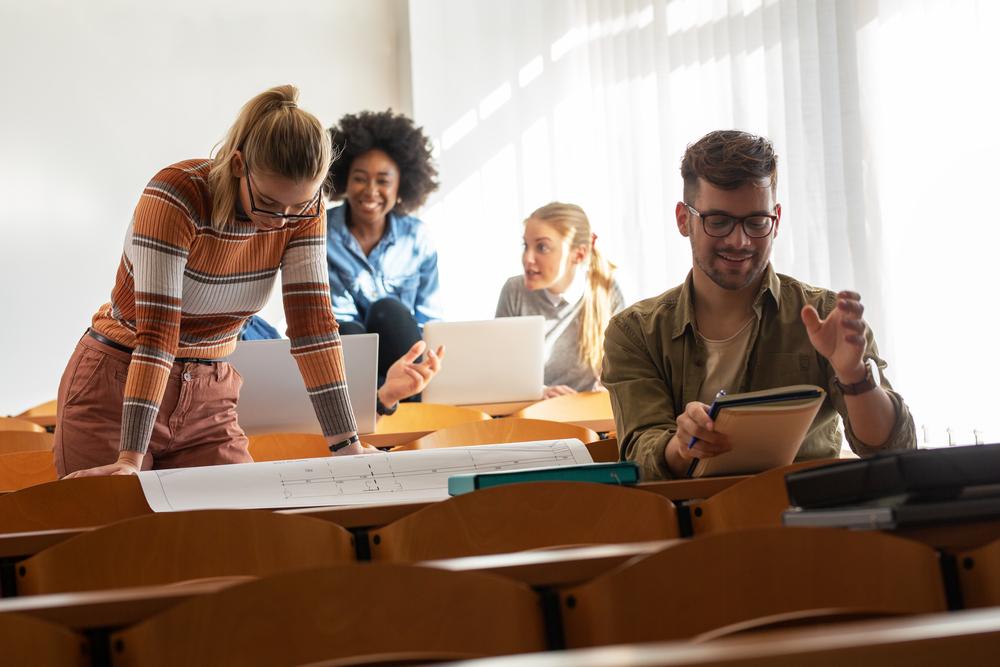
{"x": 729, "y": 159}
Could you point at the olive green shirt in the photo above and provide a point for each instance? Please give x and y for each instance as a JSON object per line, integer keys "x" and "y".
{"x": 654, "y": 365}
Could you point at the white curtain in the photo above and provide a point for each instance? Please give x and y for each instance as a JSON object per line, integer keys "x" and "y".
{"x": 883, "y": 114}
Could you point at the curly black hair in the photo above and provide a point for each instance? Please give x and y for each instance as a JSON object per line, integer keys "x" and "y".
{"x": 401, "y": 140}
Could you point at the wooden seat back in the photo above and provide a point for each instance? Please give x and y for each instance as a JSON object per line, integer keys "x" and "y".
{"x": 179, "y": 546}
{"x": 495, "y": 431}
{"x": 697, "y": 585}
{"x": 410, "y": 417}
{"x": 287, "y": 446}
{"x": 46, "y": 409}
{"x": 15, "y": 424}
{"x": 757, "y": 502}
{"x": 25, "y": 441}
{"x": 19, "y": 470}
{"x": 31, "y": 641}
{"x": 604, "y": 451}
{"x": 517, "y": 517}
{"x": 979, "y": 574}
{"x": 340, "y": 612}
{"x": 580, "y": 407}
{"x": 72, "y": 503}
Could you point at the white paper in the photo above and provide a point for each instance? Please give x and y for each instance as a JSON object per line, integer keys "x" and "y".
{"x": 364, "y": 479}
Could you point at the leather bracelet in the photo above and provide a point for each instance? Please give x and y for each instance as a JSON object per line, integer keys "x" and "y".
{"x": 345, "y": 443}
{"x": 382, "y": 410}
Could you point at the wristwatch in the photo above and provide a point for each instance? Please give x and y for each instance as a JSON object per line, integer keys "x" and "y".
{"x": 864, "y": 385}
{"x": 382, "y": 410}
{"x": 336, "y": 447}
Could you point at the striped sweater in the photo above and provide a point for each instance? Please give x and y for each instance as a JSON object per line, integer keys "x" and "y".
{"x": 184, "y": 289}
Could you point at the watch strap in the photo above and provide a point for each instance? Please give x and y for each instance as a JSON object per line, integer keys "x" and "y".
{"x": 336, "y": 447}
{"x": 382, "y": 410}
{"x": 866, "y": 384}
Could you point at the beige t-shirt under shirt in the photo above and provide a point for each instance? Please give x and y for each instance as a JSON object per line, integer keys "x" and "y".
{"x": 724, "y": 362}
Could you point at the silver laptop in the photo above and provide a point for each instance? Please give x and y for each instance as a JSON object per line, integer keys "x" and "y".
{"x": 273, "y": 398}
{"x": 488, "y": 361}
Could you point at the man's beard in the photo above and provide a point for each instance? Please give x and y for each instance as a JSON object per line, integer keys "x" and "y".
{"x": 709, "y": 261}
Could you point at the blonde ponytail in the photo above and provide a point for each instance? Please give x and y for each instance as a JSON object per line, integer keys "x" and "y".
{"x": 274, "y": 135}
{"x": 597, "y": 309}
{"x": 571, "y": 221}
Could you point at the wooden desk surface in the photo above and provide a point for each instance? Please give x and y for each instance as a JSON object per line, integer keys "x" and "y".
{"x": 359, "y": 516}
{"x": 22, "y": 545}
{"x": 691, "y": 489}
{"x": 958, "y": 637}
{"x": 553, "y": 567}
{"x": 110, "y": 608}
{"x": 367, "y": 516}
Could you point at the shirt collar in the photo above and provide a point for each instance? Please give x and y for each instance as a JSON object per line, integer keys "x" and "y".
{"x": 770, "y": 286}
{"x": 337, "y": 218}
{"x": 391, "y": 225}
{"x": 573, "y": 294}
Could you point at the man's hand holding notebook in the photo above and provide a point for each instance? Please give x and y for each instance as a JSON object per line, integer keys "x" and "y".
{"x": 757, "y": 430}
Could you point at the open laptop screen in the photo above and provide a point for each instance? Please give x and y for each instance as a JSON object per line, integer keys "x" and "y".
{"x": 488, "y": 361}
{"x": 273, "y": 398}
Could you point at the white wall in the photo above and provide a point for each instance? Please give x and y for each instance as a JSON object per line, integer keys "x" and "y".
{"x": 96, "y": 96}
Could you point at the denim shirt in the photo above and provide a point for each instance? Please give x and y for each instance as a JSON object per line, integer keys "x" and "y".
{"x": 402, "y": 265}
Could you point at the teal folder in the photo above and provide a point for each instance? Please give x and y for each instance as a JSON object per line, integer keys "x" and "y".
{"x": 603, "y": 473}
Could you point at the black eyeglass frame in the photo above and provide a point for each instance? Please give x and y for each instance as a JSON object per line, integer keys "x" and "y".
{"x": 315, "y": 201}
{"x": 732, "y": 223}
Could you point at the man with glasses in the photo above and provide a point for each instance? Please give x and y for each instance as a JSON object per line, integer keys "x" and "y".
{"x": 738, "y": 326}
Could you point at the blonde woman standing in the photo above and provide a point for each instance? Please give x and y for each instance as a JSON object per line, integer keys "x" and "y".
{"x": 569, "y": 282}
{"x": 146, "y": 386}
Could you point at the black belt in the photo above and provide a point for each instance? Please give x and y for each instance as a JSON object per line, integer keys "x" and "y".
{"x": 128, "y": 350}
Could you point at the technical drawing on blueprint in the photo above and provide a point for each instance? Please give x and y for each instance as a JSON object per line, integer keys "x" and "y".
{"x": 399, "y": 477}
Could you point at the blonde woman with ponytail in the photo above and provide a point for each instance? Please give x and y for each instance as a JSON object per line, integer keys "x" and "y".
{"x": 147, "y": 386}
{"x": 568, "y": 281}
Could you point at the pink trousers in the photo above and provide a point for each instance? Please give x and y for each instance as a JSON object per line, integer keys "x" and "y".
{"x": 196, "y": 424}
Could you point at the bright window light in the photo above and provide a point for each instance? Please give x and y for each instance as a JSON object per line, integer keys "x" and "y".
{"x": 496, "y": 99}
{"x": 530, "y": 72}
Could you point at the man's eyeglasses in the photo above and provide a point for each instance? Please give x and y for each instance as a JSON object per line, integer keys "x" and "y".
{"x": 310, "y": 210}
{"x": 721, "y": 226}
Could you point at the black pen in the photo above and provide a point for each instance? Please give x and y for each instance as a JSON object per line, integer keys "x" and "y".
{"x": 694, "y": 438}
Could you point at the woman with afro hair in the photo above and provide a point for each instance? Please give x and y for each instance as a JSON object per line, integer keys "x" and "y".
{"x": 382, "y": 263}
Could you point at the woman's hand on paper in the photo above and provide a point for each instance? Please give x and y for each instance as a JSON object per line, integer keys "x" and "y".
{"x": 356, "y": 448}
{"x": 128, "y": 463}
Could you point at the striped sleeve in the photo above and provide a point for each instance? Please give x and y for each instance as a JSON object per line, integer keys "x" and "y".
{"x": 312, "y": 328}
{"x": 156, "y": 252}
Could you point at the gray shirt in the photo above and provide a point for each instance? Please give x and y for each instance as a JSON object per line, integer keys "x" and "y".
{"x": 562, "y": 330}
